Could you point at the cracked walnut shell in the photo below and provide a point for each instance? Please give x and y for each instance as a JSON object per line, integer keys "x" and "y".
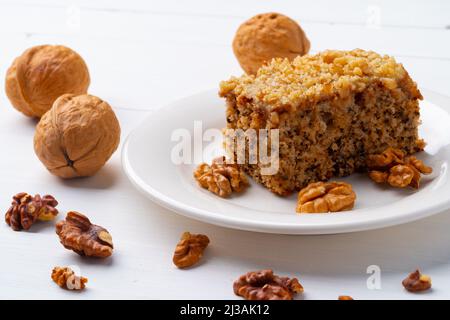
{"x": 395, "y": 168}
{"x": 77, "y": 233}
{"x": 190, "y": 249}
{"x": 264, "y": 285}
{"x": 25, "y": 210}
{"x": 321, "y": 197}
{"x": 42, "y": 74}
{"x": 221, "y": 178}
{"x": 267, "y": 36}
{"x": 416, "y": 282}
{"x": 77, "y": 136}
{"x": 67, "y": 279}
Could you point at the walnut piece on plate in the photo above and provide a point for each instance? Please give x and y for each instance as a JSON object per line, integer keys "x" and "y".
{"x": 66, "y": 278}
{"x": 321, "y": 197}
{"x": 264, "y": 285}
{"x": 77, "y": 233}
{"x": 221, "y": 177}
{"x": 190, "y": 249}
{"x": 25, "y": 210}
{"x": 392, "y": 166}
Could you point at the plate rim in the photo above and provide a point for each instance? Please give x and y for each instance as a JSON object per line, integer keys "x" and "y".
{"x": 258, "y": 226}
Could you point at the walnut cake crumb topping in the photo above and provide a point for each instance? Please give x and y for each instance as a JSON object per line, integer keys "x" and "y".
{"x": 312, "y": 78}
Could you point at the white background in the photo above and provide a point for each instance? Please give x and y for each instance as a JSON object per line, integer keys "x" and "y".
{"x": 142, "y": 55}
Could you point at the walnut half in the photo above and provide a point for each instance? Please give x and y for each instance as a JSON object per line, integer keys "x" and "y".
{"x": 416, "y": 282}
{"x": 77, "y": 233}
{"x": 25, "y": 210}
{"x": 395, "y": 168}
{"x": 221, "y": 177}
{"x": 66, "y": 279}
{"x": 320, "y": 197}
{"x": 264, "y": 285}
{"x": 190, "y": 249}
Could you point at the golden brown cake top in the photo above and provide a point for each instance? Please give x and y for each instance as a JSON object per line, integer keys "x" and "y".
{"x": 314, "y": 78}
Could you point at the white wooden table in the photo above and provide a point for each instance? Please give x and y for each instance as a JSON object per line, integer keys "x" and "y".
{"x": 143, "y": 54}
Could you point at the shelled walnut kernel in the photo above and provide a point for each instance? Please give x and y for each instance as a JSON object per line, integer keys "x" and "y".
{"x": 190, "y": 249}
{"x": 221, "y": 177}
{"x": 25, "y": 210}
{"x": 66, "y": 279}
{"x": 320, "y": 197}
{"x": 345, "y": 298}
{"x": 264, "y": 285}
{"x": 416, "y": 282}
{"x": 395, "y": 168}
{"x": 77, "y": 233}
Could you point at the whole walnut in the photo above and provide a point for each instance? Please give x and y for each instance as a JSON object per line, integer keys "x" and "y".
{"x": 267, "y": 36}
{"x": 42, "y": 74}
{"x": 77, "y": 136}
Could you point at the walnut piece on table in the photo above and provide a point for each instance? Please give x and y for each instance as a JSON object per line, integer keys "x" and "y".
{"x": 77, "y": 233}
{"x": 66, "y": 279}
{"x": 221, "y": 177}
{"x": 26, "y": 209}
{"x": 395, "y": 168}
{"x": 190, "y": 249}
{"x": 416, "y": 282}
{"x": 321, "y": 197}
{"x": 264, "y": 285}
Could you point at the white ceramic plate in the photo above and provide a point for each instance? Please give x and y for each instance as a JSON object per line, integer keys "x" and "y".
{"x": 147, "y": 162}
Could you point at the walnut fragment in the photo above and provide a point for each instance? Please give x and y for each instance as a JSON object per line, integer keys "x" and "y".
{"x": 25, "y": 210}
{"x": 264, "y": 285}
{"x": 221, "y": 177}
{"x": 321, "y": 197}
{"x": 65, "y": 278}
{"x": 77, "y": 233}
{"x": 345, "y": 298}
{"x": 395, "y": 168}
{"x": 190, "y": 249}
{"x": 416, "y": 282}
{"x": 77, "y": 136}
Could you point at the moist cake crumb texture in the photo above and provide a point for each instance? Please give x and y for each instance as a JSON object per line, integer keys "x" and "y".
{"x": 332, "y": 109}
